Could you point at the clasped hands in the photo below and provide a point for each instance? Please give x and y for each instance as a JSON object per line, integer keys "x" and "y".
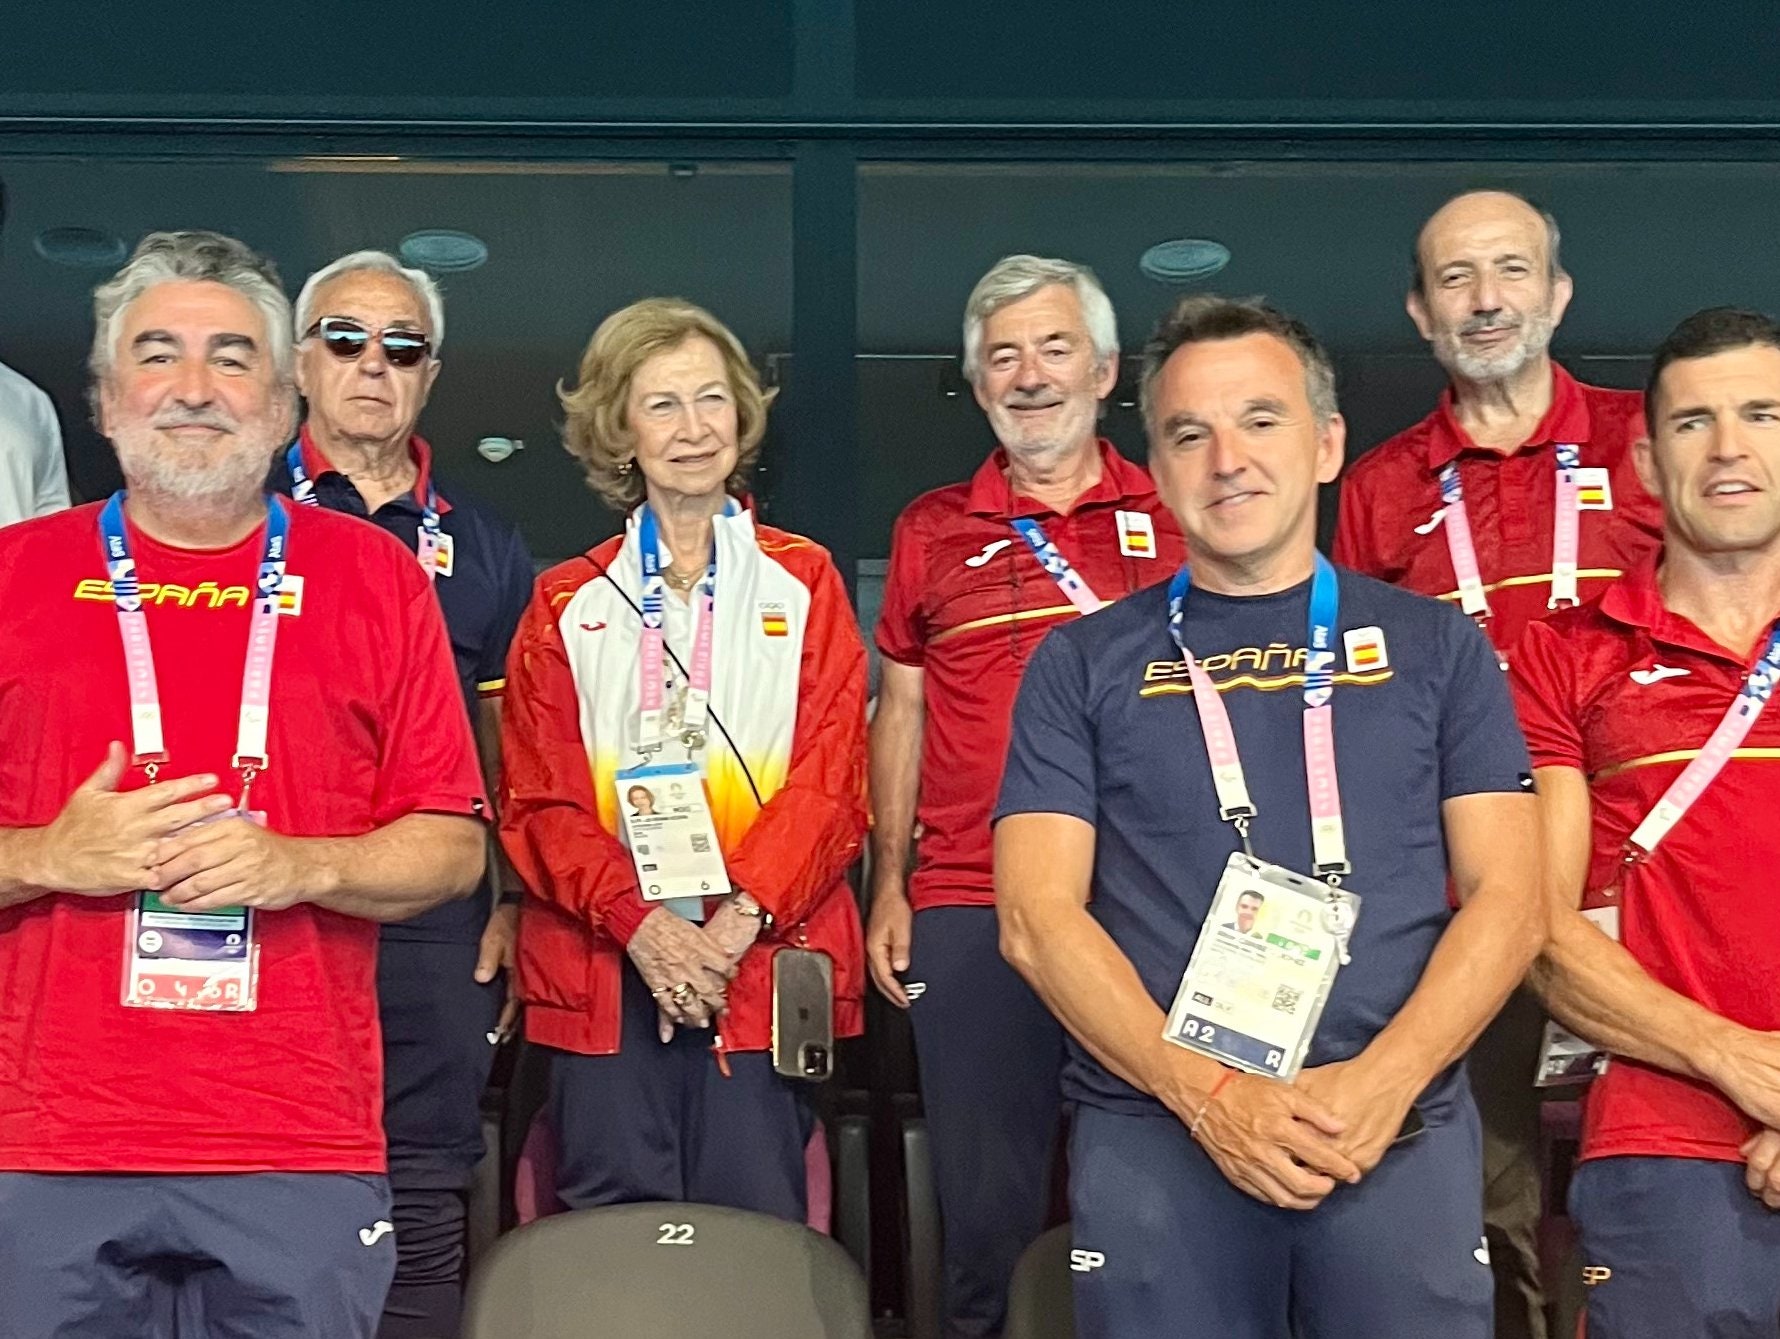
{"x": 167, "y": 838}
{"x": 688, "y": 967}
{"x": 1291, "y": 1144}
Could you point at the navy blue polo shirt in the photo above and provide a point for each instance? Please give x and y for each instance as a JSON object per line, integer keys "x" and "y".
{"x": 483, "y": 597}
{"x": 1105, "y": 730}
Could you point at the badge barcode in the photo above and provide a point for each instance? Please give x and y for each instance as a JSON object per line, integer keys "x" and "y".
{"x": 1285, "y": 999}
{"x": 701, "y": 844}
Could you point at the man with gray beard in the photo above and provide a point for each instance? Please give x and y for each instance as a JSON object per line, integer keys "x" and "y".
{"x": 1054, "y": 523}
{"x": 231, "y": 744}
{"x": 1516, "y": 496}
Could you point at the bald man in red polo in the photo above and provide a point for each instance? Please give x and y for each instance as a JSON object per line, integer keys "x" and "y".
{"x": 1516, "y": 496}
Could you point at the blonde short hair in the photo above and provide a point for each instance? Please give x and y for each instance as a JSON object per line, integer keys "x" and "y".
{"x": 595, "y": 428}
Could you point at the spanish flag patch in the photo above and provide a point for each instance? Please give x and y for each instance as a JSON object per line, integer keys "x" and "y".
{"x": 290, "y": 595}
{"x": 1365, "y": 650}
{"x": 773, "y": 620}
{"x": 1137, "y": 534}
{"x": 1594, "y": 489}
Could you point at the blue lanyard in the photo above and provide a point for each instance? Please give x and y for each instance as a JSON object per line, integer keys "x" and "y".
{"x": 1056, "y": 566}
{"x": 649, "y": 550}
{"x": 1452, "y": 490}
{"x": 302, "y": 490}
{"x": 1325, "y": 605}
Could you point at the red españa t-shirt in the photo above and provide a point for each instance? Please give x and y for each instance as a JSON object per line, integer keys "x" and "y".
{"x": 367, "y": 725}
{"x": 1393, "y": 492}
{"x": 966, "y": 602}
{"x": 1698, "y": 915}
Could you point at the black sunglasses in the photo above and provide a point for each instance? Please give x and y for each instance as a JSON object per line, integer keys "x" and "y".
{"x": 346, "y": 339}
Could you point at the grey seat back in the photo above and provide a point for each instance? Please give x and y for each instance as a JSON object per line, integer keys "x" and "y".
{"x": 664, "y": 1271}
{"x": 1041, "y": 1298}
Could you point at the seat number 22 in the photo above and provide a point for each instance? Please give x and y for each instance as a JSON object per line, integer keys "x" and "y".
{"x": 674, "y": 1234}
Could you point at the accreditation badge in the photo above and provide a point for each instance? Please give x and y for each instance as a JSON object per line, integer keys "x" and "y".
{"x": 672, "y": 839}
{"x": 1565, "y": 1058}
{"x": 202, "y": 961}
{"x": 1262, "y": 968}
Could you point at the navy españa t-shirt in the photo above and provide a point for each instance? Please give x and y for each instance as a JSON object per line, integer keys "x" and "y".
{"x": 1105, "y": 730}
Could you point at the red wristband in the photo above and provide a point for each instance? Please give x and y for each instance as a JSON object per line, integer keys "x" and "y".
{"x": 1212, "y": 1096}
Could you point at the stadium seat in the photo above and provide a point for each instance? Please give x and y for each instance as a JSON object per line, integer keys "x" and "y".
{"x": 1041, "y": 1298}
{"x": 924, "y": 1286}
{"x": 664, "y": 1271}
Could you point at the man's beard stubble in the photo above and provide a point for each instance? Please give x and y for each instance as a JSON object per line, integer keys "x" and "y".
{"x": 234, "y": 470}
{"x": 1535, "y": 338}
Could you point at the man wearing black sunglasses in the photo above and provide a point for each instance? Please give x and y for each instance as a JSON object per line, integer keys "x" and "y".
{"x": 368, "y": 334}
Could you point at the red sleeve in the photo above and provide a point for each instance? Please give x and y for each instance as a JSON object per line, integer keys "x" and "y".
{"x": 428, "y": 760}
{"x": 807, "y": 834}
{"x": 902, "y": 630}
{"x": 1543, "y": 681}
{"x": 550, "y": 825}
{"x": 1350, "y": 549}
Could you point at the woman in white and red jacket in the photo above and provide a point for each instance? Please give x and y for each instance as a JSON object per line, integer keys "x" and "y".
{"x": 658, "y": 1014}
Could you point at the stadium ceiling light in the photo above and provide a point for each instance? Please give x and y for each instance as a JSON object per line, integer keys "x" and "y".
{"x": 443, "y": 250}
{"x": 80, "y": 248}
{"x": 1183, "y": 260}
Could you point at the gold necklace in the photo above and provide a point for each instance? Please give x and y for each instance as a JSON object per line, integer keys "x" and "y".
{"x": 679, "y": 582}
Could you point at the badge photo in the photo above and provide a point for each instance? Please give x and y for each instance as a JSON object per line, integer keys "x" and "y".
{"x": 1137, "y": 534}
{"x": 1594, "y": 489}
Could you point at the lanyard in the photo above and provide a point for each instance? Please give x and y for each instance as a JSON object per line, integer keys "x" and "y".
{"x": 1565, "y": 537}
{"x": 1700, "y": 772}
{"x": 302, "y": 490}
{"x": 1328, "y": 837}
{"x": 148, "y": 746}
{"x": 650, "y": 662}
{"x": 1056, "y": 566}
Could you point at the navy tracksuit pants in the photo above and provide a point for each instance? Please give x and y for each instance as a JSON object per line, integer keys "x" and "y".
{"x": 1164, "y": 1245}
{"x": 660, "y": 1121}
{"x": 1674, "y": 1248}
{"x": 436, "y": 1059}
{"x": 257, "y": 1255}
{"x": 990, "y": 1056}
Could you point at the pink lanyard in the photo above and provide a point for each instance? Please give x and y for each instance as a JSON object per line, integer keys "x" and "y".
{"x": 148, "y": 744}
{"x": 1732, "y": 729}
{"x": 1327, "y": 834}
{"x": 651, "y": 660}
{"x": 1565, "y": 537}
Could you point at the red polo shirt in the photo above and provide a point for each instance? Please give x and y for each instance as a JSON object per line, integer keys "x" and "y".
{"x": 1627, "y": 692}
{"x": 1392, "y": 493}
{"x": 966, "y": 602}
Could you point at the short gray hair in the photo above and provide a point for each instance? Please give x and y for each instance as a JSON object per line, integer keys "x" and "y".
{"x": 1014, "y": 277}
{"x": 1201, "y": 318}
{"x": 382, "y": 263}
{"x": 164, "y": 257}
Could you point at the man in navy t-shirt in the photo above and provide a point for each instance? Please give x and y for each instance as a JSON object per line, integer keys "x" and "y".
{"x": 1347, "y": 1201}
